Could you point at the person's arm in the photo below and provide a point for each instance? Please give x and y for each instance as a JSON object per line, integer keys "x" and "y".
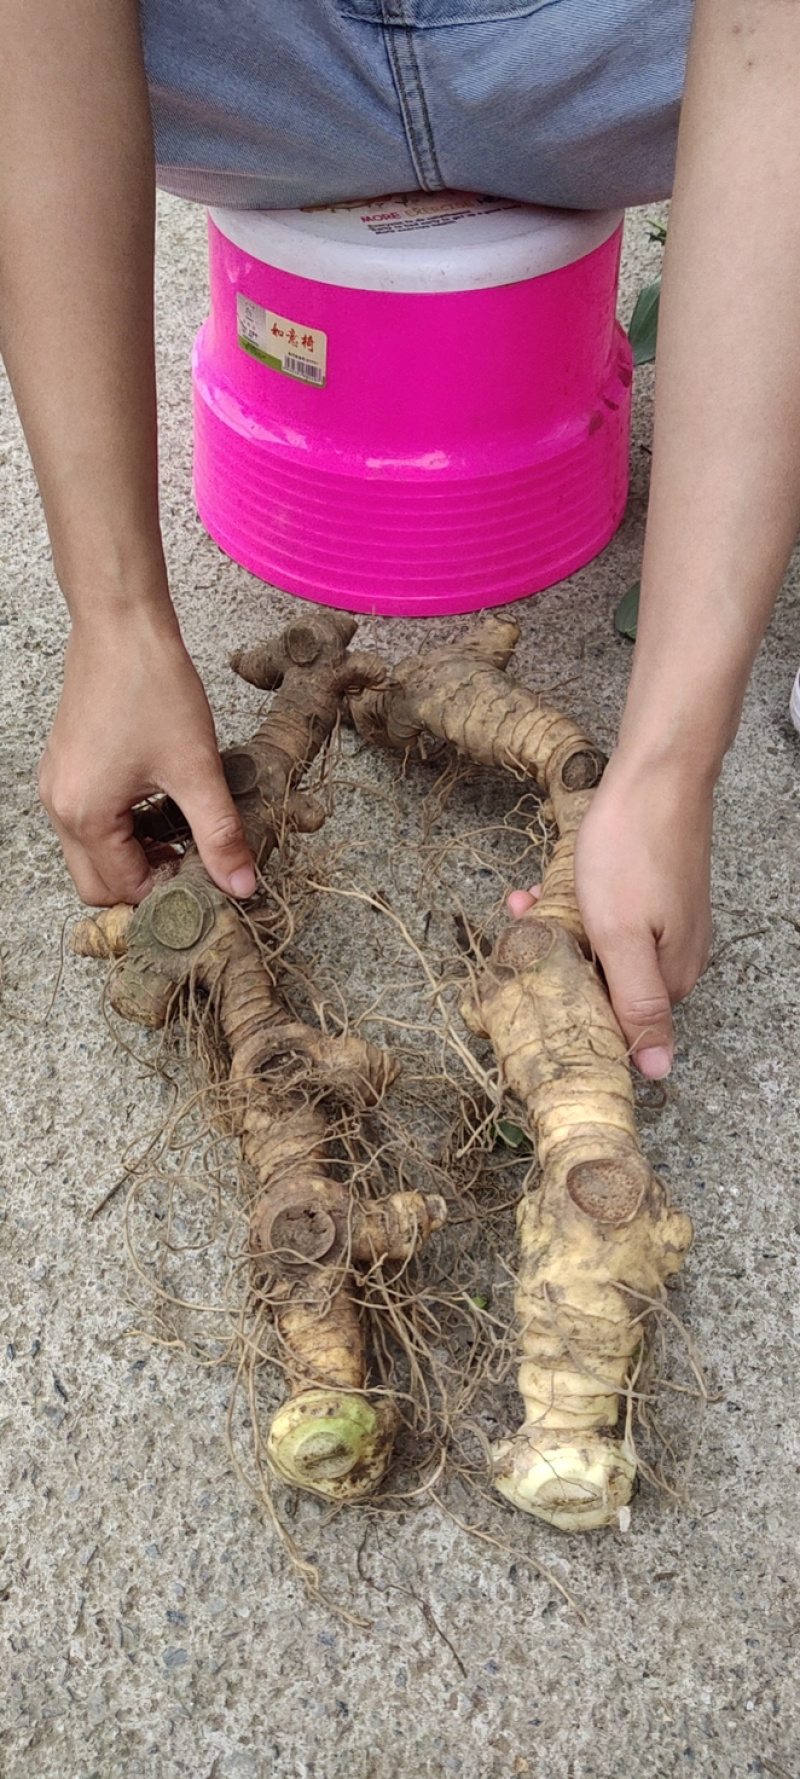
{"x": 724, "y": 508}
{"x": 77, "y": 194}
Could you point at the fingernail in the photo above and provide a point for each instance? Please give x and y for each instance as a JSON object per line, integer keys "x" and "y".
{"x": 243, "y": 881}
{"x": 655, "y": 1063}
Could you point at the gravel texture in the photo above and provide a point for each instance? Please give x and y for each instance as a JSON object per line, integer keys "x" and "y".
{"x": 151, "y": 1622}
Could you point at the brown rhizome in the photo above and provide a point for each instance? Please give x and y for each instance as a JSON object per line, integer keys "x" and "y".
{"x": 324, "y": 1261}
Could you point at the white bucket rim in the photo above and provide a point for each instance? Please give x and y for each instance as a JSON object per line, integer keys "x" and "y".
{"x": 419, "y": 241}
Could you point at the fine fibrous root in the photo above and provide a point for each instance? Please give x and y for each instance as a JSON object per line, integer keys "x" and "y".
{"x": 309, "y": 1234}
{"x": 164, "y": 939}
{"x": 598, "y": 1237}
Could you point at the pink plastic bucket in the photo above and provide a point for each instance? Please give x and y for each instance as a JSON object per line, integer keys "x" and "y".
{"x": 413, "y": 406}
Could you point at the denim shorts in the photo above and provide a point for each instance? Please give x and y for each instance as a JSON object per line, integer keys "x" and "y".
{"x": 276, "y": 103}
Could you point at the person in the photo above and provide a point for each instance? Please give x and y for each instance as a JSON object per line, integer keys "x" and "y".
{"x": 570, "y": 102}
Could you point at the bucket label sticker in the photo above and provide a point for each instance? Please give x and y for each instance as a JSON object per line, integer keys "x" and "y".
{"x": 288, "y": 346}
{"x": 406, "y": 218}
{"x": 409, "y": 212}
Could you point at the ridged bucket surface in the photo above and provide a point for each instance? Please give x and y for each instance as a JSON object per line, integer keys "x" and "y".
{"x": 424, "y": 453}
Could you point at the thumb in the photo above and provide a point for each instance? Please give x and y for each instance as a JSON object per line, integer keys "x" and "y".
{"x": 217, "y": 831}
{"x": 520, "y": 901}
{"x": 641, "y": 1002}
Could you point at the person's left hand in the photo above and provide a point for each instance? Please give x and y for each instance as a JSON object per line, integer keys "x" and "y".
{"x": 642, "y": 875}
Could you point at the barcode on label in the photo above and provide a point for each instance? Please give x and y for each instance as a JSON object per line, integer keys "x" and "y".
{"x": 300, "y": 367}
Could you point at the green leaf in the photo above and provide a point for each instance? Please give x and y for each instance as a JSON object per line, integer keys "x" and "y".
{"x": 626, "y": 616}
{"x": 480, "y": 1300}
{"x": 644, "y": 324}
{"x": 657, "y": 231}
{"x": 513, "y": 1136}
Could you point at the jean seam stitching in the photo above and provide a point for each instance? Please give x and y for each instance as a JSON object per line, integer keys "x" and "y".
{"x": 426, "y": 116}
{"x": 402, "y": 95}
{"x": 376, "y": 14}
{"x": 398, "y": 36}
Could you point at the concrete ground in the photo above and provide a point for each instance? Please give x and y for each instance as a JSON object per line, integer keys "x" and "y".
{"x": 151, "y": 1621}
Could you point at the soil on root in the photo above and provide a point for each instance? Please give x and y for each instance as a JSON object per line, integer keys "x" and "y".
{"x": 376, "y": 928}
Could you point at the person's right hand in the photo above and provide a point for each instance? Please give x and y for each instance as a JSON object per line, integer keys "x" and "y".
{"x": 134, "y": 720}
{"x": 642, "y": 876}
